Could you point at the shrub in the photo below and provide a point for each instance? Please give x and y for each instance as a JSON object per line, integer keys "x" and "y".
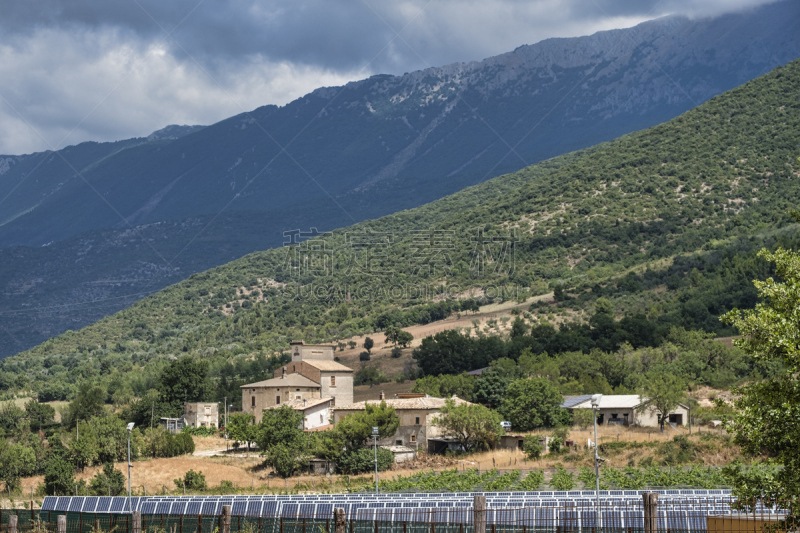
{"x": 532, "y": 448}
{"x": 191, "y": 480}
{"x": 562, "y": 480}
{"x": 363, "y": 460}
{"x": 59, "y": 477}
{"x": 363, "y": 356}
{"x": 397, "y": 352}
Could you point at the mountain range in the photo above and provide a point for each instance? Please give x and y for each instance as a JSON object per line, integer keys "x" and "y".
{"x": 92, "y": 228}
{"x": 664, "y": 222}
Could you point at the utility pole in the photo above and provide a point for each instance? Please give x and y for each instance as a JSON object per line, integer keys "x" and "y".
{"x": 375, "y": 438}
{"x": 595, "y": 410}
{"x": 130, "y": 465}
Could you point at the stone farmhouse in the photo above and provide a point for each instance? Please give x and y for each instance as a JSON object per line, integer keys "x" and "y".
{"x": 416, "y": 411}
{"x": 312, "y": 383}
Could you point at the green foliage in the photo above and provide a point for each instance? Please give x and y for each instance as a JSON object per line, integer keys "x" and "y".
{"x": 664, "y": 392}
{"x": 766, "y": 410}
{"x": 281, "y": 439}
{"x": 532, "y": 403}
{"x": 16, "y": 461}
{"x": 503, "y": 482}
{"x": 356, "y": 428}
{"x": 474, "y": 427}
{"x": 363, "y": 356}
{"x": 242, "y": 428}
{"x": 184, "y": 380}
{"x": 191, "y": 480}
{"x": 562, "y": 479}
{"x": 583, "y": 417}
{"x": 39, "y": 415}
{"x": 368, "y": 344}
{"x": 532, "y": 448}
{"x": 158, "y": 442}
{"x": 362, "y": 460}
{"x": 88, "y": 403}
{"x": 369, "y": 375}
{"x": 59, "y": 477}
{"x": 446, "y": 386}
{"x": 532, "y": 481}
{"x": 109, "y": 482}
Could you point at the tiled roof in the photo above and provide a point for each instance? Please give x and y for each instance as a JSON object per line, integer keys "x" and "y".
{"x": 289, "y": 380}
{"x": 403, "y": 403}
{"x": 330, "y": 366}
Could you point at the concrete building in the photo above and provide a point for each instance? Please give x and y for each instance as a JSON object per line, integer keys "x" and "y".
{"x": 626, "y": 409}
{"x": 311, "y": 376}
{"x": 416, "y": 418}
{"x": 201, "y": 414}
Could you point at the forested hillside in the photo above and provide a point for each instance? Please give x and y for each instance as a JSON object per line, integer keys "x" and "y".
{"x": 663, "y": 223}
{"x": 90, "y": 229}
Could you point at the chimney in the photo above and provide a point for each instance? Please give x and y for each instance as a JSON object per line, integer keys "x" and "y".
{"x": 283, "y": 373}
{"x": 383, "y": 396}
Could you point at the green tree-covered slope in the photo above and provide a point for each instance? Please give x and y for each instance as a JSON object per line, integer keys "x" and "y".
{"x": 713, "y": 177}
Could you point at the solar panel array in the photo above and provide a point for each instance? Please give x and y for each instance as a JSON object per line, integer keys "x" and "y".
{"x": 622, "y": 506}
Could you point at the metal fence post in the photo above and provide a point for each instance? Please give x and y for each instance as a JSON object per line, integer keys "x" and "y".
{"x": 61, "y": 526}
{"x": 226, "y": 519}
{"x": 339, "y": 520}
{"x": 479, "y": 514}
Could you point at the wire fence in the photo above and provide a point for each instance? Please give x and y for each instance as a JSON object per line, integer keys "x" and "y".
{"x": 677, "y": 515}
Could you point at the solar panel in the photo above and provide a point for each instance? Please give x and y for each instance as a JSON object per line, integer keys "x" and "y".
{"x": 49, "y": 503}
{"x": 75, "y": 504}
{"x": 209, "y": 507}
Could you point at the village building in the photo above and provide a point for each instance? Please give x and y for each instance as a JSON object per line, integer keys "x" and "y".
{"x": 312, "y": 383}
{"x": 627, "y": 410}
{"x": 201, "y": 415}
{"x": 417, "y": 412}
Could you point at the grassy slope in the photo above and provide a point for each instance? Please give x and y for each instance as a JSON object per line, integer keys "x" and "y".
{"x": 725, "y": 169}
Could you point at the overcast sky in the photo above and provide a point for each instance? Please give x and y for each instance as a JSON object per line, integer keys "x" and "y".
{"x": 79, "y": 70}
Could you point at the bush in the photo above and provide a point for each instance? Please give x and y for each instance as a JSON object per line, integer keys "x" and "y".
{"x": 363, "y": 356}
{"x": 397, "y": 353}
{"x": 562, "y": 480}
{"x": 363, "y": 460}
{"x": 226, "y": 486}
{"x": 532, "y": 448}
{"x": 202, "y": 431}
{"x": 191, "y": 480}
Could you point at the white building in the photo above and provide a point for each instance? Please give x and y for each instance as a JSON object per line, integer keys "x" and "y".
{"x": 627, "y": 410}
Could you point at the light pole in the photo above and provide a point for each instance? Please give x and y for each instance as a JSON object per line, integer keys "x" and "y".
{"x": 130, "y": 465}
{"x": 375, "y": 438}
{"x": 595, "y": 409}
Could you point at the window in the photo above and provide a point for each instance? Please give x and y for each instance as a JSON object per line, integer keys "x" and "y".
{"x": 333, "y": 381}
{"x": 398, "y": 442}
{"x": 253, "y": 401}
{"x": 277, "y": 400}
{"x": 294, "y": 368}
{"x": 297, "y": 397}
{"x": 298, "y": 390}
{"x": 320, "y": 418}
{"x": 413, "y": 438}
{"x": 417, "y": 422}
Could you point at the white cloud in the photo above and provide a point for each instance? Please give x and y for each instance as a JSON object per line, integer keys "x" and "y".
{"x": 106, "y": 87}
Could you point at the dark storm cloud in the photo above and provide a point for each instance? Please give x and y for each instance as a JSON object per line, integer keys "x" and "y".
{"x": 105, "y": 69}
{"x": 342, "y": 34}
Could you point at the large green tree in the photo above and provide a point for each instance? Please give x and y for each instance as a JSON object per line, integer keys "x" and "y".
{"x": 241, "y": 428}
{"x": 356, "y": 428}
{"x": 281, "y": 440}
{"x": 88, "y": 403}
{"x": 767, "y": 416}
{"x": 662, "y": 392}
{"x": 475, "y": 427}
{"x": 184, "y": 380}
{"x": 532, "y": 403}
